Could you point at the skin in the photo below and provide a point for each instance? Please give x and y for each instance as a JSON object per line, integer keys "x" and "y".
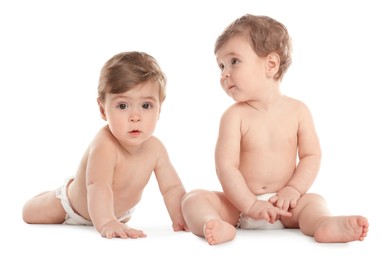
{"x": 116, "y": 167}
{"x": 260, "y": 138}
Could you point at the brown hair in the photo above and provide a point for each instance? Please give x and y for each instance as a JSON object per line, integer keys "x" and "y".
{"x": 266, "y": 36}
{"x": 127, "y": 70}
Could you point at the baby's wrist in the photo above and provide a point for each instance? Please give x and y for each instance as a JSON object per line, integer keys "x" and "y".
{"x": 101, "y": 226}
{"x": 248, "y": 209}
{"x": 290, "y": 186}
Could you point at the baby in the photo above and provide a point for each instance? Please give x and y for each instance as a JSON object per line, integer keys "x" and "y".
{"x": 119, "y": 162}
{"x": 267, "y": 153}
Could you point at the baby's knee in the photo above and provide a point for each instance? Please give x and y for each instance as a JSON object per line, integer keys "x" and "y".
{"x": 312, "y": 197}
{"x": 194, "y": 195}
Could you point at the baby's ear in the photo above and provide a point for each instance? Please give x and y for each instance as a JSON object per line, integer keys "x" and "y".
{"x": 101, "y": 109}
{"x": 272, "y": 64}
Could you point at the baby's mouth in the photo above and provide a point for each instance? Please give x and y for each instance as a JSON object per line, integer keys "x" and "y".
{"x": 135, "y": 132}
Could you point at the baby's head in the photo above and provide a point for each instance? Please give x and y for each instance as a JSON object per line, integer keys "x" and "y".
{"x": 127, "y": 70}
{"x": 266, "y": 36}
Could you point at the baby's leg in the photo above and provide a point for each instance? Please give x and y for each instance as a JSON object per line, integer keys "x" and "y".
{"x": 314, "y": 219}
{"x": 210, "y": 215}
{"x": 44, "y": 208}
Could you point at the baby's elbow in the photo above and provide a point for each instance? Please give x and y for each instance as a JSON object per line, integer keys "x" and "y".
{"x": 176, "y": 189}
{"x": 316, "y": 161}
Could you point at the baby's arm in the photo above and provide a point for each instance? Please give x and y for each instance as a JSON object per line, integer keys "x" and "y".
{"x": 227, "y": 158}
{"x": 309, "y": 153}
{"x": 100, "y": 196}
{"x": 170, "y": 186}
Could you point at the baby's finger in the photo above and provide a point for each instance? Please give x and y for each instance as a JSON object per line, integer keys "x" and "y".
{"x": 121, "y": 233}
{"x": 186, "y": 228}
{"x": 180, "y": 227}
{"x": 133, "y": 233}
{"x": 108, "y": 234}
{"x": 273, "y": 215}
{"x": 285, "y": 213}
{"x": 177, "y": 227}
{"x": 274, "y": 199}
{"x": 293, "y": 203}
{"x": 265, "y": 214}
{"x": 280, "y": 203}
{"x": 286, "y": 205}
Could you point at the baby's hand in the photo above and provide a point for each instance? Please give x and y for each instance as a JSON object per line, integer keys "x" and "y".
{"x": 118, "y": 229}
{"x": 179, "y": 224}
{"x": 286, "y": 198}
{"x": 265, "y": 210}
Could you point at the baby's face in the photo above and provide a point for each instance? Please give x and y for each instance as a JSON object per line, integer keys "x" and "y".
{"x": 242, "y": 70}
{"x": 132, "y": 116}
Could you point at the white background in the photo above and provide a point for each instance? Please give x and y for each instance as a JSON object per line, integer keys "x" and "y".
{"x": 51, "y": 53}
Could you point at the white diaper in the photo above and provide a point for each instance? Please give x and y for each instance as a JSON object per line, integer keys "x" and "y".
{"x": 72, "y": 218}
{"x": 250, "y": 223}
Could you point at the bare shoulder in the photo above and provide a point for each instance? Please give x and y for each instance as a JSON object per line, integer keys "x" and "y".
{"x": 294, "y": 102}
{"x": 235, "y": 112}
{"x": 303, "y": 115}
{"x": 155, "y": 144}
{"x": 155, "y": 147}
{"x": 297, "y": 106}
{"x": 104, "y": 139}
{"x": 236, "y": 108}
{"x": 102, "y": 149}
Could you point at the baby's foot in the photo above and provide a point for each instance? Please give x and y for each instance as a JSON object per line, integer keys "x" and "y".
{"x": 218, "y": 231}
{"x": 342, "y": 229}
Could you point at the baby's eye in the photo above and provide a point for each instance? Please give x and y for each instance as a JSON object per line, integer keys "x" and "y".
{"x": 147, "y": 106}
{"x": 234, "y": 61}
{"x": 221, "y": 67}
{"x": 122, "y": 106}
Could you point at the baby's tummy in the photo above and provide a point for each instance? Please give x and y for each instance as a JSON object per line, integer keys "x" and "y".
{"x": 267, "y": 172}
{"x": 267, "y": 179}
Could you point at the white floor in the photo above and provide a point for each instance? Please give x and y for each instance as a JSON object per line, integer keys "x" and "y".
{"x": 63, "y": 242}
{"x": 23, "y": 241}
{"x": 66, "y": 242}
